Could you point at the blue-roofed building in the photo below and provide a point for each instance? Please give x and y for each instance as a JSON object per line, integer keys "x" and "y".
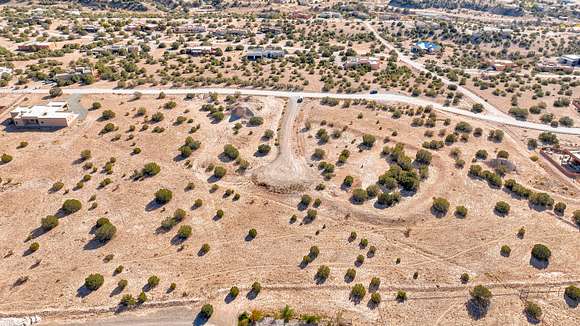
{"x": 426, "y": 47}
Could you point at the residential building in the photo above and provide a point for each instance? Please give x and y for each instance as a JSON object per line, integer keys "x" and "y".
{"x": 500, "y": 65}
{"x": 201, "y": 50}
{"x": 75, "y": 74}
{"x": 262, "y": 53}
{"x": 115, "y": 49}
{"x": 5, "y": 70}
{"x": 53, "y": 115}
{"x": 91, "y": 28}
{"x": 426, "y": 47}
{"x": 33, "y": 46}
{"x": 352, "y": 62}
{"x": 228, "y": 32}
{"x": 271, "y": 30}
{"x": 190, "y": 29}
{"x": 570, "y": 60}
{"x": 553, "y": 66}
{"x": 131, "y": 27}
{"x": 329, "y": 14}
{"x": 300, "y": 15}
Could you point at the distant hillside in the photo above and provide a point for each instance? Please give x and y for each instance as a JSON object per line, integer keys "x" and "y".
{"x": 497, "y": 9}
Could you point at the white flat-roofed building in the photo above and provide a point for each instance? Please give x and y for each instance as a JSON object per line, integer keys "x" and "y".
{"x": 4, "y": 70}
{"x": 353, "y": 62}
{"x": 190, "y": 29}
{"x": 53, "y": 114}
{"x": 570, "y": 60}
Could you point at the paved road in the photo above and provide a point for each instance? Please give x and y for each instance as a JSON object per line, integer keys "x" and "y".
{"x": 479, "y": 72}
{"x": 387, "y": 97}
{"x": 419, "y": 67}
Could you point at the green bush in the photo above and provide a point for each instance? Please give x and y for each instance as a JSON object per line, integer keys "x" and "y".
{"x": 376, "y": 298}
{"x": 368, "y": 140}
{"x": 505, "y": 250}
{"x": 423, "y": 157}
{"x": 55, "y": 91}
{"x": 533, "y": 310}
{"x": 348, "y": 180}
{"x": 106, "y": 232}
{"x": 151, "y": 169}
{"x": 255, "y": 121}
{"x": 481, "y": 295}
{"x": 198, "y": 203}
{"x": 102, "y": 221}
{"x": 153, "y": 281}
{"x": 107, "y": 115}
{"x": 163, "y": 196}
{"x": 184, "y": 232}
{"x": 461, "y": 211}
{"x": 359, "y": 195}
{"x": 252, "y": 233}
{"x": 256, "y": 287}
{"x": 375, "y": 282}
{"x": 501, "y": 207}
{"x": 142, "y": 298}
{"x": 94, "y": 281}
{"x": 56, "y": 186}
{"x": 541, "y": 199}
{"x": 127, "y": 300}
{"x": 323, "y": 272}
{"x": 219, "y": 172}
{"x": 71, "y": 206}
{"x": 363, "y": 243}
{"x": 305, "y": 200}
{"x": 157, "y": 117}
{"x": 231, "y": 151}
{"x": 119, "y": 269}
{"x": 48, "y": 223}
{"x": 358, "y": 291}
{"x": 401, "y": 296}
{"x": 464, "y": 278}
{"x": 559, "y": 208}
{"x": 264, "y": 149}
{"x": 34, "y": 247}
{"x": 541, "y": 252}
{"x": 576, "y": 216}
{"x": 440, "y": 205}
{"x": 122, "y": 284}
{"x": 350, "y": 273}
{"x": 389, "y": 199}
{"x": 572, "y": 292}
{"x": 207, "y": 310}
{"x": 234, "y": 291}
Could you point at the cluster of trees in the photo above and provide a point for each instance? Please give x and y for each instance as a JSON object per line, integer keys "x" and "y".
{"x": 403, "y": 173}
{"x": 189, "y": 147}
{"x": 541, "y": 199}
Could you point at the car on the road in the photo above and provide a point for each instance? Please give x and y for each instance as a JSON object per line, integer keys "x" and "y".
{"x": 374, "y": 91}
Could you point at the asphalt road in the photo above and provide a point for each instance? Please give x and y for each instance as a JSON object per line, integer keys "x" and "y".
{"x": 419, "y": 67}
{"x": 489, "y": 116}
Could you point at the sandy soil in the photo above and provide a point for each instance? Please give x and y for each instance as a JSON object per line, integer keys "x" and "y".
{"x": 438, "y": 249}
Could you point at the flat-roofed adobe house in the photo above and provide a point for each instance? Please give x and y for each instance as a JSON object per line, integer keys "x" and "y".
{"x": 426, "y": 47}
{"x": 254, "y": 54}
{"x": 51, "y": 115}
{"x": 353, "y": 62}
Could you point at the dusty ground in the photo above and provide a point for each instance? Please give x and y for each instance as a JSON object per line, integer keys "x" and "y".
{"x": 439, "y": 249}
